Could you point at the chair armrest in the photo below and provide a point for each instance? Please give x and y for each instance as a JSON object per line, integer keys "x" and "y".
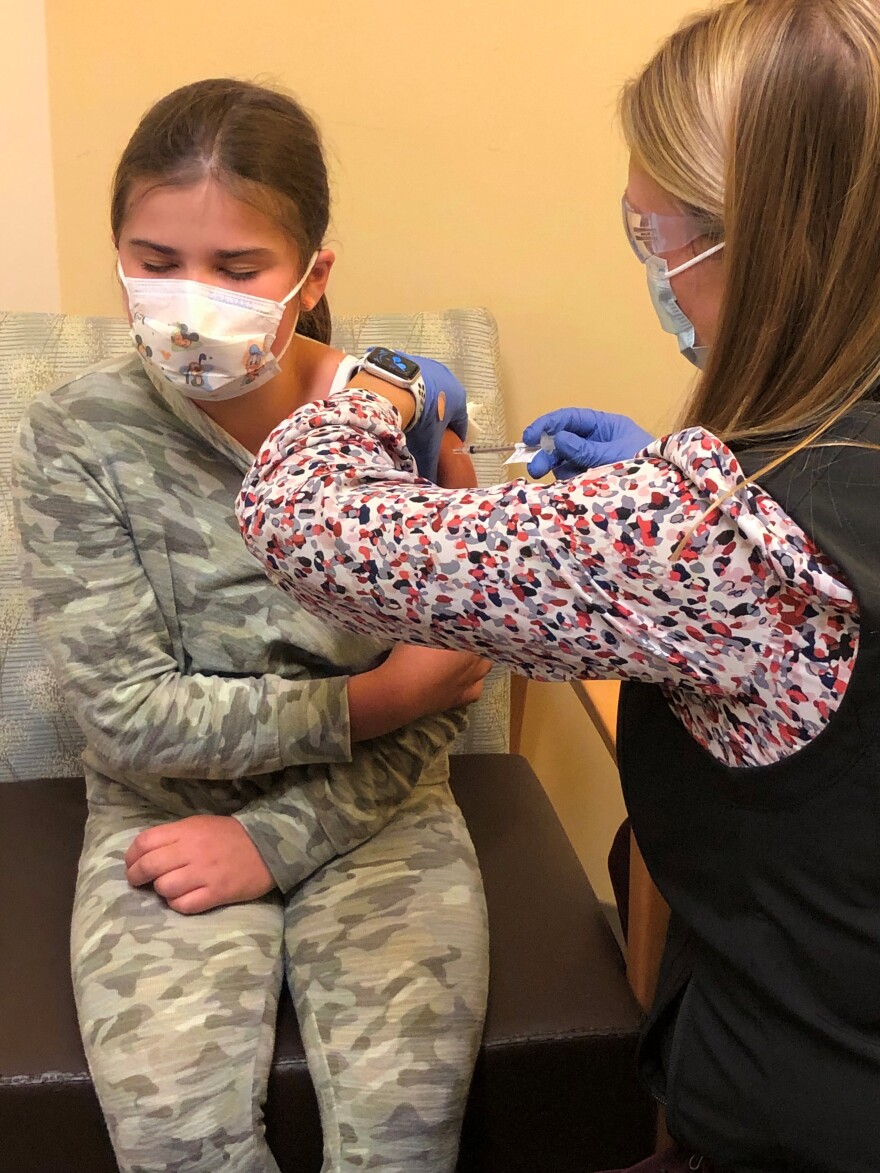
{"x": 648, "y": 911}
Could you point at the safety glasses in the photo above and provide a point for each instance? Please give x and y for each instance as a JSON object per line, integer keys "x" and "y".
{"x": 650, "y": 234}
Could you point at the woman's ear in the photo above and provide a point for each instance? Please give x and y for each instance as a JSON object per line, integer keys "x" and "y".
{"x": 316, "y": 284}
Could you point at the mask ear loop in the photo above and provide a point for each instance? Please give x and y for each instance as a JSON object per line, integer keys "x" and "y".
{"x": 696, "y": 260}
{"x": 284, "y": 301}
{"x": 302, "y": 279}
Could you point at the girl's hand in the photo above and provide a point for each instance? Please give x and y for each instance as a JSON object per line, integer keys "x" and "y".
{"x": 411, "y": 683}
{"x": 432, "y": 680}
{"x": 198, "y": 863}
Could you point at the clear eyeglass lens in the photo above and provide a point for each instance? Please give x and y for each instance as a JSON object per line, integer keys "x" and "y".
{"x": 650, "y": 234}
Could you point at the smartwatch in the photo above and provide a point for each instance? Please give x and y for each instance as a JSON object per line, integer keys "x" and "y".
{"x": 400, "y": 371}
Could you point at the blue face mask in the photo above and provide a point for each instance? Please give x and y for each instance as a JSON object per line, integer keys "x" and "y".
{"x": 672, "y": 317}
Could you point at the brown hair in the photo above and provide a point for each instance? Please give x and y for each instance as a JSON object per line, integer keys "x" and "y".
{"x": 763, "y": 117}
{"x": 257, "y": 142}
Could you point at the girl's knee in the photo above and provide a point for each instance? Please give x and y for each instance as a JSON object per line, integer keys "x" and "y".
{"x": 193, "y": 1119}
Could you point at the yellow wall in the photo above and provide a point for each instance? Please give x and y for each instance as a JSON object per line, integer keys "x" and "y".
{"x": 476, "y": 161}
{"x": 569, "y": 757}
{"x": 28, "y": 247}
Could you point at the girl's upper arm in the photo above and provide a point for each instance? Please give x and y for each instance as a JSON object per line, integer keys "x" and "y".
{"x": 455, "y": 470}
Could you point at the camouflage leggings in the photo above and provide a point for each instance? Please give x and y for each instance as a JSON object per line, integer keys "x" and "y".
{"x": 385, "y": 953}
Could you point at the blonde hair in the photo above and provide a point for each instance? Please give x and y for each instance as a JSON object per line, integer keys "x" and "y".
{"x": 762, "y": 118}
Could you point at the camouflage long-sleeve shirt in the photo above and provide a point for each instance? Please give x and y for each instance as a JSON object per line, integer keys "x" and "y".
{"x": 196, "y": 683}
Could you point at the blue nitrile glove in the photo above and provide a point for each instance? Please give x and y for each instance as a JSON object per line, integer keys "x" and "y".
{"x": 583, "y": 439}
{"x": 423, "y": 440}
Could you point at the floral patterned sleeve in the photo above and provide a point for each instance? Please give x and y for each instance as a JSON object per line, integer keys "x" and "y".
{"x": 749, "y": 629}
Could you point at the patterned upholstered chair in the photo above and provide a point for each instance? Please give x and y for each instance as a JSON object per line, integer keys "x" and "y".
{"x": 555, "y": 1087}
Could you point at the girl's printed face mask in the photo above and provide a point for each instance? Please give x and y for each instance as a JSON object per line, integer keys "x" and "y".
{"x": 205, "y": 341}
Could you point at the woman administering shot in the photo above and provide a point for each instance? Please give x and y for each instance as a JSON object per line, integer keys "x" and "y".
{"x": 730, "y": 573}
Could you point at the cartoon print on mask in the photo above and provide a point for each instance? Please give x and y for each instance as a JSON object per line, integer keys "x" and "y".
{"x": 194, "y": 372}
{"x": 143, "y": 350}
{"x": 182, "y": 338}
{"x": 253, "y": 361}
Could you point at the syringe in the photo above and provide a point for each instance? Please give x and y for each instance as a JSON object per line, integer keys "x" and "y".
{"x": 547, "y": 443}
{"x": 485, "y": 449}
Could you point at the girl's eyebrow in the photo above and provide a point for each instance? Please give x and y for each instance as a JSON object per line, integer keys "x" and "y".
{"x": 223, "y": 254}
{"x": 229, "y": 254}
{"x": 165, "y": 249}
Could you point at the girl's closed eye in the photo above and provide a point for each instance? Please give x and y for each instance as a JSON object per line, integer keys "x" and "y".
{"x": 165, "y": 267}
{"x": 245, "y": 275}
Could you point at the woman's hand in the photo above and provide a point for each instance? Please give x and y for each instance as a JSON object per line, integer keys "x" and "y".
{"x": 411, "y": 683}
{"x": 198, "y": 863}
{"x": 584, "y": 439}
{"x": 445, "y": 410}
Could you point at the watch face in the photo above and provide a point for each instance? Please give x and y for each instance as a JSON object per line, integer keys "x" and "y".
{"x": 393, "y": 362}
